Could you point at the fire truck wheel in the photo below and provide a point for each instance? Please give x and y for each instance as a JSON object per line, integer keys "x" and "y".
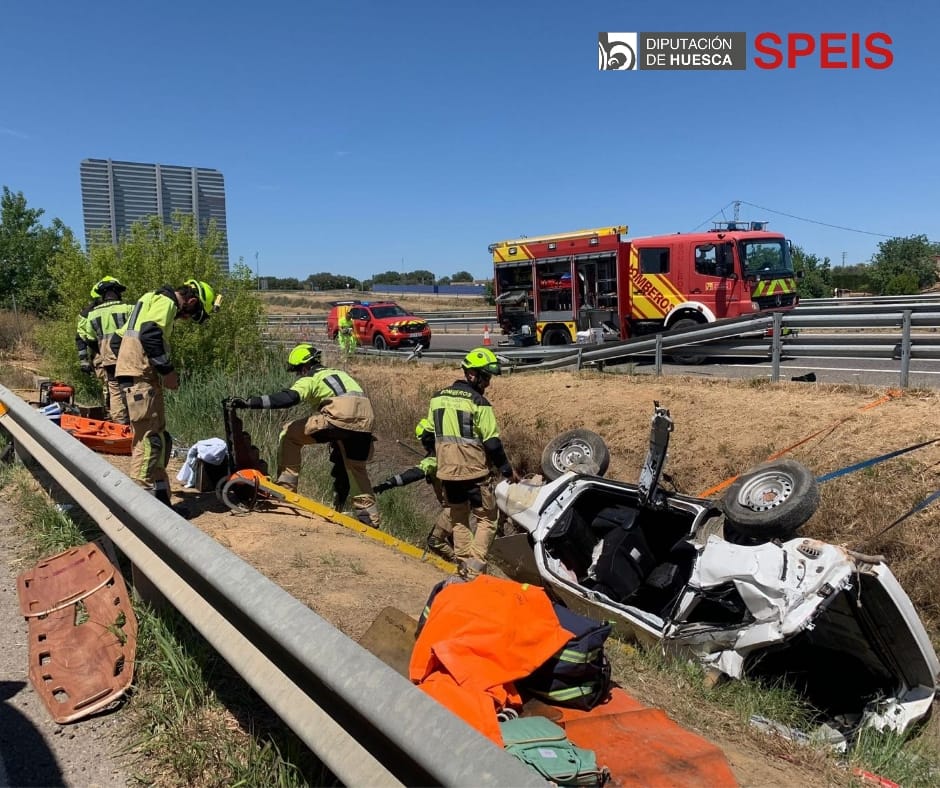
{"x": 772, "y": 500}
{"x": 579, "y": 450}
{"x": 556, "y": 336}
{"x": 687, "y": 355}
{"x": 379, "y": 342}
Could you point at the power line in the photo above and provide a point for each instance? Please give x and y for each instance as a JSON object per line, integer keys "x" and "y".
{"x": 716, "y": 213}
{"x": 813, "y": 221}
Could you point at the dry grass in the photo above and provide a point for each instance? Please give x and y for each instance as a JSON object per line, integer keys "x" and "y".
{"x": 303, "y": 303}
{"x": 722, "y": 429}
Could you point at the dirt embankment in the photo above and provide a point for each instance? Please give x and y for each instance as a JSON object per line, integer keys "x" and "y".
{"x": 722, "y": 428}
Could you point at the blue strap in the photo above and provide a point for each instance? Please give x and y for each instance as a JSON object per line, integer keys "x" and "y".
{"x": 918, "y": 507}
{"x": 873, "y": 461}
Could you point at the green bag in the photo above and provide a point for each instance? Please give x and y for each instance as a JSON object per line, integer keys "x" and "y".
{"x": 543, "y": 745}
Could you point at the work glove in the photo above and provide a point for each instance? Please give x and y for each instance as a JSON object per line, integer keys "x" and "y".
{"x": 237, "y": 402}
{"x": 86, "y": 368}
{"x": 381, "y": 488}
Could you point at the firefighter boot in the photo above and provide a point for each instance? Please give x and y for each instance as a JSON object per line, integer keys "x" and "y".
{"x": 471, "y": 568}
{"x": 368, "y": 515}
{"x": 288, "y": 480}
{"x": 440, "y": 546}
{"x": 163, "y": 496}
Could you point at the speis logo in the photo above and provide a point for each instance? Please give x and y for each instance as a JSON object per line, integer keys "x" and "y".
{"x": 827, "y": 50}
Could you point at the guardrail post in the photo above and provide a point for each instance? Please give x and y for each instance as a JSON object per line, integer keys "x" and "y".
{"x": 776, "y": 344}
{"x": 659, "y": 355}
{"x": 905, "y": 348}
{"x": 580, "y": 351}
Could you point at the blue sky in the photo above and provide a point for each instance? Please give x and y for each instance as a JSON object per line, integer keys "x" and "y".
{"x": 361, "y": 137}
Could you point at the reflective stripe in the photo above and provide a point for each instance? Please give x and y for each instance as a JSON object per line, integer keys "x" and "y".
{"x": 465, "y": 418}
{"x": 456, "y": 439}
{"x": 578, "y": 657}
{"x": 266, "y": 401}
{"x": 398, "y": 480}
{"x": 132, "y": 319}
{"x": 335, "y": 384}
{"x": 571, "y": 692}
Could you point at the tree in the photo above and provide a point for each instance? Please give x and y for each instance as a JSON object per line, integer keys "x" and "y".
{"x": 817, "y": 276}
{"x": 904, "y": 262}
{"x": 328, "y": 281}
{"x": 387, "y": 278}
{"x": 26, "y": 249}
{"x": 444, "y": 280}
{"x": 851, "y": 277}
{"x": 462, "y": 276}
{"x": 151, "y": 255}
{"x": 419, "y": 277}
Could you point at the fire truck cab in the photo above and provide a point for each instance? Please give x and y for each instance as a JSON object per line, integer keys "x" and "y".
{"x": 593, "y": 285}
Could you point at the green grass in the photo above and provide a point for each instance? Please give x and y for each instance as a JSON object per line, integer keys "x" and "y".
{"x": 190, "y": 720}
{"x": 725, "y": 708}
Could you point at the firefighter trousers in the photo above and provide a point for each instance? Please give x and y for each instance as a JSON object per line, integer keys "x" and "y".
{"x": 151, "y": 445}
{"x": 475, "y": 497}
{"x": 350, "y": 454}
{"x": 117, "y": 406}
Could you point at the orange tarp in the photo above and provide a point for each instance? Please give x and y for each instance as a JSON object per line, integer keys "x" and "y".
{"x": 643, "y": 747}
{"x": 478, "y": 639}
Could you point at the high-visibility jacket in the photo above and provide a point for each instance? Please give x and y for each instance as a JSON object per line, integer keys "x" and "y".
{"x": 338, "y": 397}
{"x": 101, "y": 324}
{"x": 144, "y": 338}
{"x": 85, "y": 353}
{"x": 332, "y": 392}
{"x": 466, "y": 435}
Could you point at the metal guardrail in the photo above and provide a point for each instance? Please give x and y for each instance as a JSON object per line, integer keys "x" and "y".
{"x": 728, "y": 338}
{"x": 364, "y": 721}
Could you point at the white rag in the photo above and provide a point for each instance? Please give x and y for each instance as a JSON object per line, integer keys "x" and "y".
{"x": 211, "y": 450}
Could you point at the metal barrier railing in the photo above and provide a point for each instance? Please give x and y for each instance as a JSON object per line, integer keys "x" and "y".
{"x": 365, "y": 722}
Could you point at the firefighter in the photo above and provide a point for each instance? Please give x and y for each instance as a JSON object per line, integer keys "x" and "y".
{"x": 86, "y": 358}
{"x": 343, "y": 418}
{"x": 468, "y": 446}
{"x": 97, "y": 330}
{"x": 346, "y": 334}
{"x": 441, "y": 538}
{"x": 144, "y": 369}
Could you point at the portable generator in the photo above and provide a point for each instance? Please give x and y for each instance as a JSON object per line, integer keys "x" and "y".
{"x": 55, "y": 391}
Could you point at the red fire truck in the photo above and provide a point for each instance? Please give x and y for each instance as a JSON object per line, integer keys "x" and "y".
{"x": 598, "y": 284}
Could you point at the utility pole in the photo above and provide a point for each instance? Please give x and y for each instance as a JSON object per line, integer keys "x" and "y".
{"x": 257, "y": 272}
{"x": 843, "y": 259}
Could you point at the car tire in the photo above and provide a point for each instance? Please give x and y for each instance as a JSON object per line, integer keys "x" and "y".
{"x": 580, "y": 450}
{"x": 378, "y": 341}
{"x": 687, "y": 355}
{"x": 772, "y": 500}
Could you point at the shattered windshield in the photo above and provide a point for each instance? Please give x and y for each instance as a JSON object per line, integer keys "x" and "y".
{"x": 760, "y": 258}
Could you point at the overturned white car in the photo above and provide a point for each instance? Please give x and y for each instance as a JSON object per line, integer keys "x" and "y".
{"x": 732, "y": 584}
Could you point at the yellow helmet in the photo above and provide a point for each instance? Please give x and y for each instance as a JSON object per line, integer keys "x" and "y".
{"x": 303, "y": 355}
{"x": 206, "y": 296}
{"x": 482, "y": 359}
{"x": 107, "y": 283}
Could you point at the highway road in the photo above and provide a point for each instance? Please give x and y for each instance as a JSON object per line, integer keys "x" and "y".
{"x": 924, "y": 373}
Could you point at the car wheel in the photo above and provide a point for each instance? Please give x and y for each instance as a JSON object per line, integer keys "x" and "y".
{"x": 426, "y": 344}
{"x": 379, "y": 342}
{"x": 687, "y": 355}
{"x": 579, "y": 450}
{"x": 771, "y": 501}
